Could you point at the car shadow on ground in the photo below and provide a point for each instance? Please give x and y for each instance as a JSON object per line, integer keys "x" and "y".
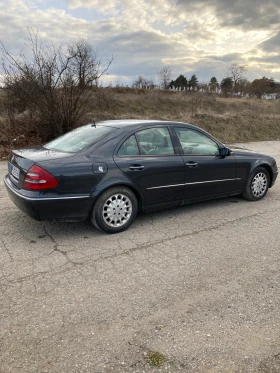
{"x": 85, "y": 229}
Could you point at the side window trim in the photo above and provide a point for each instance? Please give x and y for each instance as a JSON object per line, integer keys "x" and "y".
{"x": 175, "y": 141}
{"x": 138, "y": 144}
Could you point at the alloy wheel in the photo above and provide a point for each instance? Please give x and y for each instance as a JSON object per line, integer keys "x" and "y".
{"x": 259, "y": 184}
{"x": 117, "y": 210}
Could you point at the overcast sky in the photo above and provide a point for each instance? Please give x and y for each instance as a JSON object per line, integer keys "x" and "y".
{"x": 199, "y": 37}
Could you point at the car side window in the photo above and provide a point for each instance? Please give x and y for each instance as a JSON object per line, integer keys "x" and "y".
{"x": 129, "y": 147}
{"x": 194, "y": 142}
{"x": 155, "y": 141}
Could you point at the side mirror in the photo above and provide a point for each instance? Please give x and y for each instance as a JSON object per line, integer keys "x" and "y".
{"x": 224, "y": 152}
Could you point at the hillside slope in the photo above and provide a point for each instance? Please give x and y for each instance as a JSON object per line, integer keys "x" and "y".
{"x": 228, "y": 119}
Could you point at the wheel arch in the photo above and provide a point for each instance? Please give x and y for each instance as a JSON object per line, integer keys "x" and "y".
{"x": 138, "y": 195}
{"x": 269, "y": 170}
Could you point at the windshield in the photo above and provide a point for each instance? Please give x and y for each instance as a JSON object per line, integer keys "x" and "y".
{"x": 79, "y": 139}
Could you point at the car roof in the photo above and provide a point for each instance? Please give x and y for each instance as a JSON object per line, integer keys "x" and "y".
{"x": 119, "y": 123}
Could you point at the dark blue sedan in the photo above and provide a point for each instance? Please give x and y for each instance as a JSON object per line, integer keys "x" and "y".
{"x": 109, "y": 171}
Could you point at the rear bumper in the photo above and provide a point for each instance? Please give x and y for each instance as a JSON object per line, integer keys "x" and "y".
{"x": 41, "y": 207}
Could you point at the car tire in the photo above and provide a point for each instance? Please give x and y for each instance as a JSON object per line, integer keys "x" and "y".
{"x": 257, "y": 185}
{"x": 115, "y": 210}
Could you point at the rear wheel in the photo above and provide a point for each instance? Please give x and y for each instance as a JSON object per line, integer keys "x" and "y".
{"x": 257, "y": 185}
{"x": 115, "y": 210}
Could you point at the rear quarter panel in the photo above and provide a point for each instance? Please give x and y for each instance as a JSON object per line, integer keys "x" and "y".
{"x": 76, "y": 176}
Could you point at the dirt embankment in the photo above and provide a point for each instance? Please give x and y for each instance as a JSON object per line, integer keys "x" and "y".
{"x": 228, "y": 119}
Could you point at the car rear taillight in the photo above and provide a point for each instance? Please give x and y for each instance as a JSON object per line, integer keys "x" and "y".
{"x": 39, "y": 179}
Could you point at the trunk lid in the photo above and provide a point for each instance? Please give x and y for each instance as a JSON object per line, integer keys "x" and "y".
{"x": 21, "y": 160}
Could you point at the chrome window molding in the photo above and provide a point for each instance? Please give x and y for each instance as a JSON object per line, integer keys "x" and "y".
{"x": 197, "y": 182}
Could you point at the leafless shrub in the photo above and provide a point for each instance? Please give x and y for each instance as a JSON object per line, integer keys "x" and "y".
{"x": 55, "y": 83}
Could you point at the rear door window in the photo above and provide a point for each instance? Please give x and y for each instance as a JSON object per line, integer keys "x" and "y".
{"x": 155, "y": 141}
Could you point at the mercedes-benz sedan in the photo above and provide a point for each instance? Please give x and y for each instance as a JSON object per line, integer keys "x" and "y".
{"x": 109, "y": 171}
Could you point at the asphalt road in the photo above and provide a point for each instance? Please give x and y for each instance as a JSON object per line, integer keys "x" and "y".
{"x": 199, "y": 284}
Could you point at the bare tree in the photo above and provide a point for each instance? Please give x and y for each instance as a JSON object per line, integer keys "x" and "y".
{"x": 150, "y": 83}
{"x": 165, "y": 76}
{"x": 142, "y": 82}
{"x": 138, "y": 82}
{"x": 85, "y": 64}
{"x": 236, "y": 72}
{"x": 54, "y": 82}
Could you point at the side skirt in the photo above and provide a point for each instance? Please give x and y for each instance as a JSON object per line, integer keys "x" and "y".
{"x": 167, "y": 205}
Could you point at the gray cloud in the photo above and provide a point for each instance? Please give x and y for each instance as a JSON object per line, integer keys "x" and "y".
{"x": 272, "y": 45}
{"x": 248, "y": 15}
{"x": 271, "y": 60}
{"x": 228, "y": 58}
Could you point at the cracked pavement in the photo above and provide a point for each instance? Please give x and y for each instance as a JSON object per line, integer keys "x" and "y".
{"x": 199, "y": 284}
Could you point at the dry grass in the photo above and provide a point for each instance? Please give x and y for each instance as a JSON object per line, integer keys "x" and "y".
{"x": 228, "y": 119}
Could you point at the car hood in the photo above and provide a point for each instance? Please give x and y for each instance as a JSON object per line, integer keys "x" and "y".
{"x": 244, "y": 152}
{"x": 250, "y": 154}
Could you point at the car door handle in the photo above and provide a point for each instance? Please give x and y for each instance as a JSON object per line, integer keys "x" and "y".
{"x": 191, "y": 164}
{"x": 137, "y": 168}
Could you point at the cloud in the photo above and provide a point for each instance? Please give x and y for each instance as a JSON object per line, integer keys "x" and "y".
{"x": 247, "y": 15}
{"x": 229, "y": 58}
{"x": 105, "y": 6}
{"x": 192, "y": 36}
{"x": 271, "y": 45}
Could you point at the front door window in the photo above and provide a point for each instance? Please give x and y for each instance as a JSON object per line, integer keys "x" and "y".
{"x": 194, "y": 142}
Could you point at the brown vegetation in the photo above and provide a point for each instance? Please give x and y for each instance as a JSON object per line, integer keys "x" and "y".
{"x": 228, "y": 119}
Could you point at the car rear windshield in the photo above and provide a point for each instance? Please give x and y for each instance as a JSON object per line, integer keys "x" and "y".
{"x": 79, "y": 139}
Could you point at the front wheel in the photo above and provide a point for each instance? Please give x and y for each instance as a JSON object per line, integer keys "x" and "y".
{"x": 115, "y": 210}
{"x": 257, "y": 185}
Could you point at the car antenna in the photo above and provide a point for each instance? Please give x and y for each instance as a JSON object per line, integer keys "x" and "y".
{"x": 93, "y": 124}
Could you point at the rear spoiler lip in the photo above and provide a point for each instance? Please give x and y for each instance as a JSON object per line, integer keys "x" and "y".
{"x": 39, "y": 154}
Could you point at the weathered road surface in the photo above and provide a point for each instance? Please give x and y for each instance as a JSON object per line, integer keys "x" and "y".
{"x": 200, "y": 284}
